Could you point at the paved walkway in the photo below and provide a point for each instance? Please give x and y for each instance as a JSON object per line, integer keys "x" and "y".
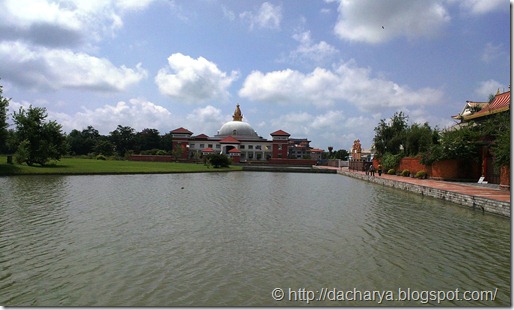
{"x": 471, "y": 189}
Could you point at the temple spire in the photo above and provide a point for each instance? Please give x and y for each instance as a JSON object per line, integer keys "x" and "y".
{"x": 237, "y": 114}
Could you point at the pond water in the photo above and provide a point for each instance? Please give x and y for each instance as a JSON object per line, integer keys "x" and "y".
{"x": 242, "y": 239}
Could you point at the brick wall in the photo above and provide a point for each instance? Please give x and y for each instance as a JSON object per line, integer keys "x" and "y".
{"x": 166, "y": 158}
{"x": 413, "y": 165}
{"x": 291, "y": 162}
{"x": 451, "y": 169}
{"x": 446, "y": 169}
{"x": 505, "y": 178}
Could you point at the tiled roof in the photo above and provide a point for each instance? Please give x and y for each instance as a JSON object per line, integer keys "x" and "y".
{"x": 500, "y": 103}
{"x": 279, "y": 133}
{"x": 207, "y": 150}
{"x": 468, "y": 109}
{"x": 234, "y": 150}
{"x": 230, "y": 139}
{"x": 181, "y": 130}
{"x": 201, "y": 136}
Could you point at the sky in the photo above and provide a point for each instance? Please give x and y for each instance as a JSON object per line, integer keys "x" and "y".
{"x": 325, "y": 70}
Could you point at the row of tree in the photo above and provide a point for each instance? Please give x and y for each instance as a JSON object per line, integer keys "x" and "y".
{"x": 120, "y": 141}
{"x": 35, "y": 140}
{"x": 395, "y": 139}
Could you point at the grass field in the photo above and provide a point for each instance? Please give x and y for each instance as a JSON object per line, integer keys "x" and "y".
{"x": 73, "y": 166}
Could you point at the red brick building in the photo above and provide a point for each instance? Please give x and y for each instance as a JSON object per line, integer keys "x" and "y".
{"x": 238, "y": 140}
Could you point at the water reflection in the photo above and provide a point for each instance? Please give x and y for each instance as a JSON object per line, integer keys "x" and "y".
{"x": 231, "y": 238}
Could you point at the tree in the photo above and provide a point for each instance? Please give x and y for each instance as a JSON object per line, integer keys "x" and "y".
{"x": 83, "y": 142}
{"x": 341, "y": 154}
{"x": 418, "y": 139}
{"x": 330, "y": 149}
{"x": 390, "y": 136}
{"x": 104, "y": 146}
{"x": 496, "y": 130}
{"x": 124, "y": 139}
{"x": 166, "y": 142}
{"x": 148, "y": 139}
{"x": 38, "y": 141}
{"x": 4, "y": 103}
{"x": 461, "y": 144}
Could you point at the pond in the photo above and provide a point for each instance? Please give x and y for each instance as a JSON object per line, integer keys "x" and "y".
{"x": 243, "y": 239}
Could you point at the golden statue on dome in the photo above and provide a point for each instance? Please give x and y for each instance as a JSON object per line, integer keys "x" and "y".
{"x": 238, "y": 116}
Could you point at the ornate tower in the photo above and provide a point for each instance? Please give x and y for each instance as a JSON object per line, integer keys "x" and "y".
{"x": 238, "y": 116}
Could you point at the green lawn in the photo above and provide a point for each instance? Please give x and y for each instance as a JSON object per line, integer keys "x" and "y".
{"x": 92, "y": 166}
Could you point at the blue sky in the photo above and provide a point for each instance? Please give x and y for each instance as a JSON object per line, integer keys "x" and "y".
{"x": 323, "y": 70}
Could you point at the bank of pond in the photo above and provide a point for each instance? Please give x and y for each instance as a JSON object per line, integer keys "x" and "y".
{"x": 75, "y": 166}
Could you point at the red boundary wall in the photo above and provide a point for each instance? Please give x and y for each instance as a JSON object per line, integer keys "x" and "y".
{"x": 165, "y": 158}
{"x": 451, "y": 169}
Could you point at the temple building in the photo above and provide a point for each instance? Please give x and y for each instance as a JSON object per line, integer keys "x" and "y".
{"x": 238, "y": 140}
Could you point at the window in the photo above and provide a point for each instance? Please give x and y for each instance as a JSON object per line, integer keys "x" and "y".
{"x": 202, "y": 145}
{"x": 258, "y": 147}
{"x": 242, "y": 147}
{"x": 250, "y": 147}
{"x": 192, "y": 145}
{"x": 218, "y": 146}
{"x": 210, "y": 145}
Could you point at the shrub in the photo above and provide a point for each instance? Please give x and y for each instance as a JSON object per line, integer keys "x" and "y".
{"x": 406, "y": 173}
{"x": 421, "y": 174}
{"x": 219, "y": 160}
{"x": 161, "y": 152}
{"x": 390, "y": 161}
{"x": 100, "y": 157}
{"x": 391, "y": 172}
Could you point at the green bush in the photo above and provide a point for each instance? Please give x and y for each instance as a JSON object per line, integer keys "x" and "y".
{"x": 219, "y": 160}
{"x": 100, "y": 157}
{"x": 406, "y": 173}
{"x": 391, "y": 172}
{"x": 390, "y": 161}
{"x": 161, "y": 152}
{"x": 421, "y": 174}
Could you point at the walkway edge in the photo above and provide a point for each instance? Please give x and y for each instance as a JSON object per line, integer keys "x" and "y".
{"x": 486, "y": 205}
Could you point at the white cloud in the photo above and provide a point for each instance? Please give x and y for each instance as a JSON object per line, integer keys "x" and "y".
{"x": 486, "y": 88}
{"x": 363, "y": 20}
{"x": 267, "y": 16}
{"x": 56, "y": 69}
{"x": 229, "y": 14}
{"x": 193, "y": 80}
{"x": 136, "y": 113}
{"x": 63, "y": 23}
{"x": 207, "y": 120}
{"x": 482, "y": 6}
{"x": 322, "y": 87}
{"x": 42, "y": 43}
{"x": 332, "y": 127}
{"x": 311, "y": 52}
{"x": 492, "y": 52}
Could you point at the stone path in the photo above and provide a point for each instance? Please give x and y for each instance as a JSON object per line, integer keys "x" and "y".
{"x": 472, "y": 189}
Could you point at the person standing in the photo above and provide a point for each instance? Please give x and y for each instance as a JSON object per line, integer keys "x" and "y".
{"x": 379, "y": 170}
